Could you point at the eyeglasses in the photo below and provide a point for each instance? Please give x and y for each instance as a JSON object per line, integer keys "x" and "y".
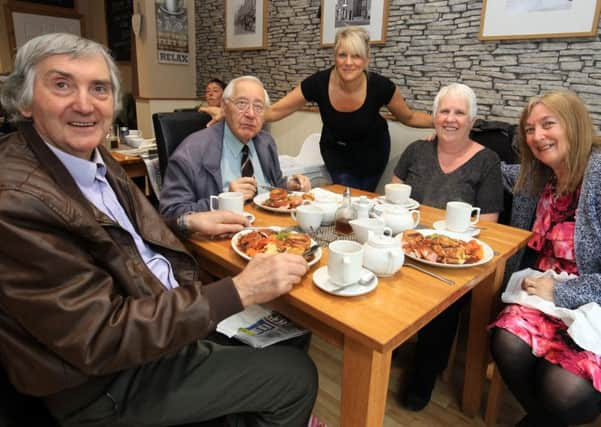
{"x": 243, "y": 105}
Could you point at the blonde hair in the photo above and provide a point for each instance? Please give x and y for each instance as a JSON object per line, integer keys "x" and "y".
{"x": 576, "y": 122}
{"x": 354, "y": 40}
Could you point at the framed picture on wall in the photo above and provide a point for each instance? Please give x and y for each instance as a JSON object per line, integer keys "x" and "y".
{"x": 246, "y": 24}
{"x": 373, "y": 16}
{"x": 538, "y": 19}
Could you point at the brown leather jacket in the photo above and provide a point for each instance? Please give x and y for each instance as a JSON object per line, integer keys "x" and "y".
{"x": 76, "y": 299}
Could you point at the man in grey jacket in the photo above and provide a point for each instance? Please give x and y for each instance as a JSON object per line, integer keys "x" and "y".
{"x": 212, "y": 160}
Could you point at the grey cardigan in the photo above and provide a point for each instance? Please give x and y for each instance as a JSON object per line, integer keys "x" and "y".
{"x": 587, "y": 234}
{"x": 194, "y": 170}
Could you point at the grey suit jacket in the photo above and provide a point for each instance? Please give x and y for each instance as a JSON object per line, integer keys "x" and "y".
{"x": 194, "y": 170}
{"x": 587, "y": 235}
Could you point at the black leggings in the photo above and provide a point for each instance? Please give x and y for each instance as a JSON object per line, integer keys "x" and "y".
{"x": 551, "y": 395}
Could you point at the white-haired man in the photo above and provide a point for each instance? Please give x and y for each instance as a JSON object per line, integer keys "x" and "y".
{"x": 232, "y": 155}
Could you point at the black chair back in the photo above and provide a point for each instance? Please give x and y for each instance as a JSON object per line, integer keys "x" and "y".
{"x": 170, "y": 129}
{"x": 499, "y": 137}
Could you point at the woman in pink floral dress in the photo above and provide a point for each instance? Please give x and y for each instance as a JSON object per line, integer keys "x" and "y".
{"x": 559, "y": 187}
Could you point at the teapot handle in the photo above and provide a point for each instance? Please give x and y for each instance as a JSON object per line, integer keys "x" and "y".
{"x": 416, "y": 218}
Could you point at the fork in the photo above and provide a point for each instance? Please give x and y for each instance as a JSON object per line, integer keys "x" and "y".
{"x": 307, "y": 254}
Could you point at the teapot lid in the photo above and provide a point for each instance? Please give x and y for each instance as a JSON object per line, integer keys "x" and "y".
{"x": 381, "y": 240}
{"x": 393, "y": 209}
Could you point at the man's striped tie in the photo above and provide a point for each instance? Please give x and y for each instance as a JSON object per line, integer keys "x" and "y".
{"x": 246, "y": 166}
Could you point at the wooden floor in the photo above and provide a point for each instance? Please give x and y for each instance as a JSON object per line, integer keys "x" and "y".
{"x": 443, "y": 410}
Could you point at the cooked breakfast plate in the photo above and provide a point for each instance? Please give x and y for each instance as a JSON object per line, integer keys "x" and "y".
{"x": 281, "y": 200}
{"x": 271, "y": 240}
{"x": 444, "y": 248}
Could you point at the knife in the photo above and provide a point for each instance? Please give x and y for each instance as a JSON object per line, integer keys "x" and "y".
{"x": 429, "y": 273}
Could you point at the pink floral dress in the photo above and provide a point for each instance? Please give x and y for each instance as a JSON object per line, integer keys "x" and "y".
{"x": 553, "y": 240}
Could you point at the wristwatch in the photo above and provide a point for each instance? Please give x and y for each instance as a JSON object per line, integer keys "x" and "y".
{"x": 182, "y": 223}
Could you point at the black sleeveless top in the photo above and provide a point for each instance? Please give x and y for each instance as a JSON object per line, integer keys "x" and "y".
{"x": 356, "y": 142}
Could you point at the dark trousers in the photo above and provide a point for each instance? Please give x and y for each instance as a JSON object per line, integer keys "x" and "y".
{"x": 433, "y": 348}
{"x": 276, "y": 386}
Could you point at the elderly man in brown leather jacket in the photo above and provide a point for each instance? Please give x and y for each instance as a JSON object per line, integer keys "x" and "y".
{"x": 102, "y": 309}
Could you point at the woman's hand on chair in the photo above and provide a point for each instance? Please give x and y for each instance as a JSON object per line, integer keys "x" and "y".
{"x": 216, "y": 114}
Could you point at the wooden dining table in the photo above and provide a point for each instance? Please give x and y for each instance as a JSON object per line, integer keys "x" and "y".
{"x": 369, "y": 327}
{"x": 134, "y": 165}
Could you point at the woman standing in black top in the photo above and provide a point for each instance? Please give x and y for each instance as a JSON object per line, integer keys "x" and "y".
{"x": 355, "y": 143}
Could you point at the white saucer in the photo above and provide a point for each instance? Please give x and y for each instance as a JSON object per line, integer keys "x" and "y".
{"x": 409, "y": 204}
{"x": 321, "y": 280}
{"x": 249, "y": 216}
{"x": 442, "y": 225}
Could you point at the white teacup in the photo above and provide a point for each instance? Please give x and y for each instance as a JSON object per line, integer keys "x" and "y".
{"x": 397, "y": 193}
{"x": 230, "y": 201}
{"x": 345, "y": 260}
{"x": 308, "y": 217}
{"x": 329, "y": 206}
{"x": 459, "y": 216}
{"x": 362, "y": 227}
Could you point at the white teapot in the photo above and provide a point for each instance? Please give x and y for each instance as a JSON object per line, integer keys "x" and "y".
{"x": 400, "y": 219}
{"x": 363, "y": 205}
{"x": 382, "y": 254}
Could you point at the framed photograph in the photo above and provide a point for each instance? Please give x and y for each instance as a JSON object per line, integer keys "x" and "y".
{"x": 372, "y": 15}
{"x": 246, "y": 24}
{"x": 538, "y": 19}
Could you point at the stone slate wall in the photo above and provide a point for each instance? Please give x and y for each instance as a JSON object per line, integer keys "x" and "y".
{"x": 429, "y": 43}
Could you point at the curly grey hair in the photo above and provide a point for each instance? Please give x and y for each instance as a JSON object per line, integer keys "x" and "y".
{"x": 17, "y": 91}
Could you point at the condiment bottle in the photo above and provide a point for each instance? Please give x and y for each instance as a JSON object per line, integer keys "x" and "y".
{"x": 344, "y": 214}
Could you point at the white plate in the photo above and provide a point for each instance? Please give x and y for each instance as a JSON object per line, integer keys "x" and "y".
{"x": 488, "y": 252}
{"x": 442, "y": 226}
{"x": 247, "y": 230}
{"x": 259, "y": 199}
{"x": 322, "y": 281}
{"x": 249, "y": 216}
{"x": 409, "y": 204}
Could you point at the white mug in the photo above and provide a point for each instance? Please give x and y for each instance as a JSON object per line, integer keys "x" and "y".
{"x": 328, "y": 207}
{"x": 230, "y": 201}
{"x": 397, "y": 193}
{"x": 459, "y": 216}
{"x": 345, "y": 261}
{"x": 308, "y": 217}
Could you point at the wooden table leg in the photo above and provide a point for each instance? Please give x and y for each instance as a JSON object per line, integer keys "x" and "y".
{"x": 477, "y": 345}
{"x": 365, "y": 374}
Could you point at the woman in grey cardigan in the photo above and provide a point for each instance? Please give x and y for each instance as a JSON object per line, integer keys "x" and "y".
{"x": 558, "y": 197}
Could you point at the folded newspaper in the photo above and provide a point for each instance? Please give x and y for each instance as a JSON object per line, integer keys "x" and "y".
{"x": 259, "y": 327}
